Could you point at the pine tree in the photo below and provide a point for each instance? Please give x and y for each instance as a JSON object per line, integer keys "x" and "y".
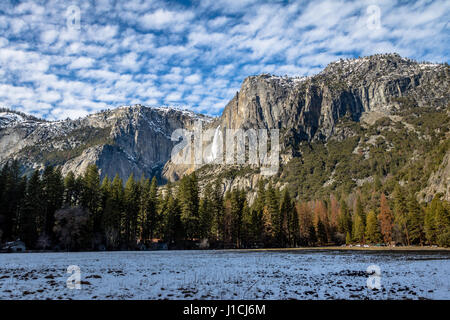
{"x": 415, "y": 221}
{"x": 105, "y": 194}
{"x": 143, "y": 232}
{"x": 348, "y": 239}
{"x": 306, "y": 224}
{"x": 113, "y": 213}
{"x": 372, "y": 229}
{"x": 267, "y": 227}
{"x": 131, "y": 209}
{"x": 237, "y": 200}
{"x": 442, "y": 220}
{"x": 294, "y": 227}
{"x": 386, "y": 220}
{"x": 152, "y": 206}
{"x": 90, "y": 198}
{"x": 273, "y": 207}
{"x": 71, "y": 190}
{"x": 11, "y": 198}
{"x": 358, "y": 228}
{"x": 321, "y": 233}
{"x": 247, "y": 232}
{"x": 53, "y": 194}
{"x": 344, "y": 219}
{"x": 217, "y": 210}
{"x": 401, "y": 213}
{"x": 188, "y": 196}
{"x": 257, "y": 225}
{"x": 172, "y": 227}
{"x": 205, "y": 214}
{"x": 430, "y": 222}
{"x": 33, "y": 204}
{"x": 312, "y": 237}
{"x": 285, "y": 234}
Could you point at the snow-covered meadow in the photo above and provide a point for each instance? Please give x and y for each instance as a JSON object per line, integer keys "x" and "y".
{"x": 296, "y": 274}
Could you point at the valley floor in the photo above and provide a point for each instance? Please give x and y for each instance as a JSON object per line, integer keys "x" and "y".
{"x": 310, "y": 273}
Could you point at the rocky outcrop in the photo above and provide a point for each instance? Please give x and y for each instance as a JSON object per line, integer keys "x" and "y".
{"x": 439, "y": 182}
{"x": 308, "y": 108}
{"x": 125, "y": 140}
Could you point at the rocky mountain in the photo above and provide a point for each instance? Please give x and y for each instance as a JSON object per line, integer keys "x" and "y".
{"x": 133, "y": 139}
{"x": 349, "y": 102}
{"x": 357, "y": 121}
{"x": 308, "y": 108}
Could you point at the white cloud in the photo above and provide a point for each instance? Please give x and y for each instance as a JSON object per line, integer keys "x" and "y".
{"x": 166, "y": 19}
{"x": 144, "y": 51}
{"x": 82, "y": 63}
{"x": 193, "y": 79}
{"x": 49, "y": 36}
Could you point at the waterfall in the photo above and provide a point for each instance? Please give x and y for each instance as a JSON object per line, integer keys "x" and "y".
{"x": 216, "y": 147}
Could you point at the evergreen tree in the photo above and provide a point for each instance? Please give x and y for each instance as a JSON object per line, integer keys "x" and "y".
{"x": 188, "y": 196}
{"x": 321, "y": 233}
{"x": 267, "y": 227}
{"x": 272, "y": 203}
{"x": 430, "y": 221}
{"x": 294, "y": 227}
{"x": 205, "y": 214}
{"x": 372, "y": 229}
{"x": 143, "y": 232}
{"x": 130, "y": 213}
{"x": 285, "y": 233}
{"x": 113, "y": 213}
{"x": 312, "y": 237}
{"x": 237, "y": 200}
{"x": 217, "y": 210}
{"x": 257, "y": 225}
{"x": 33, "y": 204}
{"x": 71, "y": 190}
{"x": 11, "y": 199}
{"x": 415, "y": 221}
{"x": 53, "y": 193}
{"x": 148, "y": 212}
{"x": 344, "y": 219}
{"x": 91, "y": 197}
{"x": 401, "y": 214}
{"x": 105, "y": 194}
{"x": 247, "y": 231}
{"x": 173, "y": 228}
{"x": 348, "y": 239}
{"x": 386, "y": 220}
{"x": 442, "y": 221}
{"x": 358, "y": 228}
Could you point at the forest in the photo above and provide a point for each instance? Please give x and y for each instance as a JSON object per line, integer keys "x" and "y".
{"x": 49, "y": 211}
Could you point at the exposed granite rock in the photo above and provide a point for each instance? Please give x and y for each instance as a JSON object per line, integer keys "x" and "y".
{"x": 439, "y": 182}
{"x": 125, "y": 140}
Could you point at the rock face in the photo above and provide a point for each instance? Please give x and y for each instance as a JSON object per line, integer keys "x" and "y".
{"x": 439, "y": 182}
{"x": 125, "y": 140}
{"x": 308, "y": 108}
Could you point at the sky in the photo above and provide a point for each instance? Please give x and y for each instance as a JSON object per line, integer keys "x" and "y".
{"x": 61, "y": 59}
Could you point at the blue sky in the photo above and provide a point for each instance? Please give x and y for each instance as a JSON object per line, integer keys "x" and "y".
{"x": 193, "y": 54}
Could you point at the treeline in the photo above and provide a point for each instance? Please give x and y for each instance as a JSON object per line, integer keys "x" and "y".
{"x": 49, "y": 211}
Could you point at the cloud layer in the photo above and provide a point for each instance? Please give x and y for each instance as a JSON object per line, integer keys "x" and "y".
{"x": 62, "y": 60}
